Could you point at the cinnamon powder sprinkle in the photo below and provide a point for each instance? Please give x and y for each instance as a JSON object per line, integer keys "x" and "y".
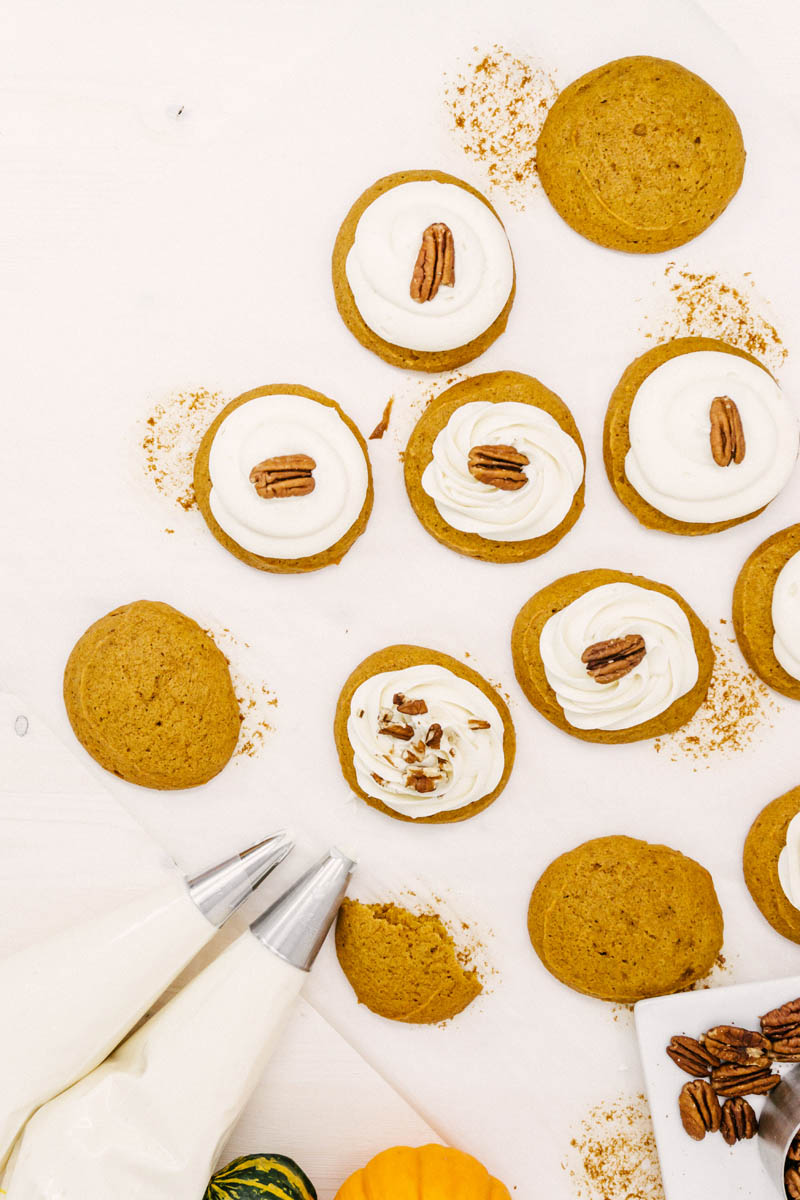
{"x": 613, "y": 1155}
{"x": 172, "y": 435}
{"x": 704, "y": 304}
{"x": 497, "y": 103}
{"x": 737, "y": 711}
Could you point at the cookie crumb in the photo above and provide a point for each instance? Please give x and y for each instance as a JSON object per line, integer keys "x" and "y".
{"x": 172, "y": 436}
{"x": 613, "y": 1154}
{"x": 254, "y": 699}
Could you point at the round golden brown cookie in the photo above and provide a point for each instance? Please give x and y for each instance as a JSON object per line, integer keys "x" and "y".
{"x": 494, "y": 388}
{"x": 640, "y": 155}
{"x": 762, "y": 848}
{"x": 149, "y": 695}
{"x": 752, "y": 609}
{"x": 621, "y": 920}
{"x": 403, "y": 966}
{"x": 530, "y": 671}
{"x": 617, "y": 442}
{"x": 203, "y": 484}
{"x": 403, "y": 356}
{"x": 396, "y": 659}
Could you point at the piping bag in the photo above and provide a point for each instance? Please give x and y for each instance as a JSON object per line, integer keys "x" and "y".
{"x": 149, "y": 1124}
{"x": 67, "y": 1001}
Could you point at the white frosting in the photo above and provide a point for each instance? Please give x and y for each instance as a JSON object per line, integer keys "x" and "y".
{"x": 670, "y": 462}
{"x": 385, "y": 248}
{"x": 469, "y": 762}
{"x": 294, "y": 526}
{"x": 668, "y": 670}
{"x": 789, "y": 863}
{"x": 554, "y": 472}
{"x": 786, "y": 616}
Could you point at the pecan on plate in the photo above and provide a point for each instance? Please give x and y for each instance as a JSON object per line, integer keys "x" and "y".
{"x": 610, "y": 660}
{"x": 727, "y": 434}
{"x": 699, "y": 1109}
{"x": 691, "y": 1056}
{"x": 284, "y": 475}
{"x": 500, "y": 466}
{"x": 733, "y": 1080}
{"x": 782, "y": 1022}
{"x": 791, "y": 1179}
{"x": 731, "y": 1044}
{"x": 435, "y": 265}
{"x": 739, "y": 1122}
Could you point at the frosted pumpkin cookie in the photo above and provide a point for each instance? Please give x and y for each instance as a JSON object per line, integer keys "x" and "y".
{"x": 772, "y": 864}
{"x": 766, "y": 611}
{"x": 611, "y": 657}
{"x": 402, "y": 966}
{"x": 621, "y": 920}
{"x": 698, "y": 436}
{"x": 640, "y": 155}
{"x": 149, "y": 695}
{"x": 494, "y": 468}
{"x": 283, "y": 479}
{"x": 421, "y": 737}
{"x": 423, "y": 274}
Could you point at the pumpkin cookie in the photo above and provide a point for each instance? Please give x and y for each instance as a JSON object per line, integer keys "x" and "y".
{"x": 149, "y": 695}
{"x": 402, "y": 966}
{"x": 423, "y": 274}
{"x": 772, "y": 864}
{"x": 494, "y": 468}
{"x": 622, "y": 920}
{"x": 283, "y": 479}
{"x": 640, "y": 155}
{"x": 766, "y": 611}
{"x": 698, "y": 437}
{"x": 611, "y": 657}
{"x": 421, "y": 737}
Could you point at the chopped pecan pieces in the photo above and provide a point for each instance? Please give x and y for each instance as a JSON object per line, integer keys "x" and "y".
{"x": 435, "y": 263}
{"x": 412, "y": 708}
{"x": 732, "y": 1080}
{"x": 501, "y": 466}
{"x": 727, "y": 434}
{"x": 739, "y": 1122}
{"x": 792, "y": 1180}
{"x": 734, "y": 1045}
{"x": 610, "y": 660}
{"x": 433, "y": 737}
{"x": 699, "y": 1109}
{"x": 420, "y": 782}
{"x": 477, "y": 723}
{"x": 282, "y": 476}
{"x": 403, "y": 732}
{"x": 691, "y": 1056}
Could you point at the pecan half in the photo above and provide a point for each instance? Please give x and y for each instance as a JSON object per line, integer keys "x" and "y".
{"x": 727, "y": 434}
{"x": 435, "y": 263}
{"x": 791, "y": 1179}
{"x": 699, "y": 1109}
{"x": 501, "y": 466}
{"x": 282, "y": 476}
{"x": 610, "y": 660}
{"x": 739, "y": 1122}
{"x": 786, "y": 1049}
{"x": 783, "y": 1021}
{"x": 793, "y": 1153}
{"x": 734, "y": 1045}
{"x": 733, "y": 1080}
{"x": 692, "y": 1057}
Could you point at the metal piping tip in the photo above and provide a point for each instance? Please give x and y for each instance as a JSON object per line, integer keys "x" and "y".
{"x": 220, "y": 890}
{"x": 297, "y": 923}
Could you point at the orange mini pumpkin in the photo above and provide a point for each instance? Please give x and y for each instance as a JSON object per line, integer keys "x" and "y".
{"x": 426, "y": 1173}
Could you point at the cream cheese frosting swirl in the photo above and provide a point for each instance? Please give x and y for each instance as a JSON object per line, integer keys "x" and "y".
{"x": 381, "y": 262}
{"x": 554, "y": 473}
{"x": 669, "y": 462}
{"x": 667, "y": 671}
{"x": 296, "y": 526}
{"x": 456, "y": 744}
{"x": 789, "y": 863}
{"x": 786, "y": 616}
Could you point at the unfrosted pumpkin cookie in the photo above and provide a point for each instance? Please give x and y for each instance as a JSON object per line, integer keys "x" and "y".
{"x": 640, "y": 155}
{"x": 772, "y": 863}
{"x": 283, "y": 480}
{"x": 401, "y": 965}
{"x": 766, "y": 611}
{"x": 612, "y": 657}
{"x": 620, "y": 919}
{"x": 423, "y": 274}
{"x": 698, "y": 436}
{"x": 149, "y": 695}
{"x": 422, "y": 737}
{"x": 494, "y": 468}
